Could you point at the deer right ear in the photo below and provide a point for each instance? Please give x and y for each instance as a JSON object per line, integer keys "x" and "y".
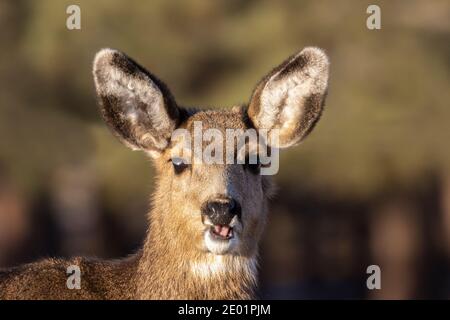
{"x": 136, "y": 105}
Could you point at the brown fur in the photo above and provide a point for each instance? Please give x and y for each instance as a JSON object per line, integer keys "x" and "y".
{"x": 175, "y": 262}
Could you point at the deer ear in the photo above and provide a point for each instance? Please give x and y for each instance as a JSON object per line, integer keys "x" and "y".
{"x": 136, "y": 105}
{"x": 291, "y": 97}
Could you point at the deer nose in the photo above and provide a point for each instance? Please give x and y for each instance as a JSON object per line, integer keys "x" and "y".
{"x": 222, "y": 211}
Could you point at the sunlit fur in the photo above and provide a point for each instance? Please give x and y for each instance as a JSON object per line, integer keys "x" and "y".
{"x": 176, "y": 224}
{"x": 179, "y": 260}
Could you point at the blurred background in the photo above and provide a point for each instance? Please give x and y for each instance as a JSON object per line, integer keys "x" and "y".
{"x": 371, "y": 185}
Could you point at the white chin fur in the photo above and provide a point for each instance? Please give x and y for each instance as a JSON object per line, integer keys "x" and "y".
{"x": 218, "y": 246}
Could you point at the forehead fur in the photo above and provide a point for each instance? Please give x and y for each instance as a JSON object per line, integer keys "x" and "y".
{"x": 234, "y": 118}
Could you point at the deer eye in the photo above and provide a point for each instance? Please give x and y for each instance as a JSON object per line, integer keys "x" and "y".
{"x": 179, "y": 165}
{"x": 254, "y": 168}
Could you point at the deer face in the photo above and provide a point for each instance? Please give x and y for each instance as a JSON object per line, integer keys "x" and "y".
{"x": 211, "y": 189}
{"x": 223, "y": 204}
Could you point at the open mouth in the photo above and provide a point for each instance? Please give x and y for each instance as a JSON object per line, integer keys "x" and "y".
{"x": 222, "y": 232}
{"x": 221, "y": 238}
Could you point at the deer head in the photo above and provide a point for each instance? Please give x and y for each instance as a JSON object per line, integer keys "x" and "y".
{"x": 215, "y": 208}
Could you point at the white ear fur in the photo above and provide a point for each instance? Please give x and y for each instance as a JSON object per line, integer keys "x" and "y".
{"x": 290, "y": 99}
{"x": 136, "y": 105}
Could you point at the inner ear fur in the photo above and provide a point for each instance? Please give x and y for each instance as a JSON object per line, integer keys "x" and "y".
{"x": 291, "y": 97}
{"x": 137, "y": 106}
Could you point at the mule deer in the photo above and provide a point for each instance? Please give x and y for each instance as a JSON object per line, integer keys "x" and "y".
{"x": 206, "y": 219}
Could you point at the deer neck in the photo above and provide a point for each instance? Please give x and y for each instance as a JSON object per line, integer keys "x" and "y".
{"x": 169, "y": 270}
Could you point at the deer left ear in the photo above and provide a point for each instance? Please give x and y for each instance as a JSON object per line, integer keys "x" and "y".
{"x": 291, "y": 97}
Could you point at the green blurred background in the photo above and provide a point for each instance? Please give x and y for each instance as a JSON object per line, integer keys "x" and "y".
{"x": 371, "y": 185}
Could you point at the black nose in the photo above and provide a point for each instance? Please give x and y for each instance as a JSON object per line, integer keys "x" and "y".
{"x": 222, "y": 211}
